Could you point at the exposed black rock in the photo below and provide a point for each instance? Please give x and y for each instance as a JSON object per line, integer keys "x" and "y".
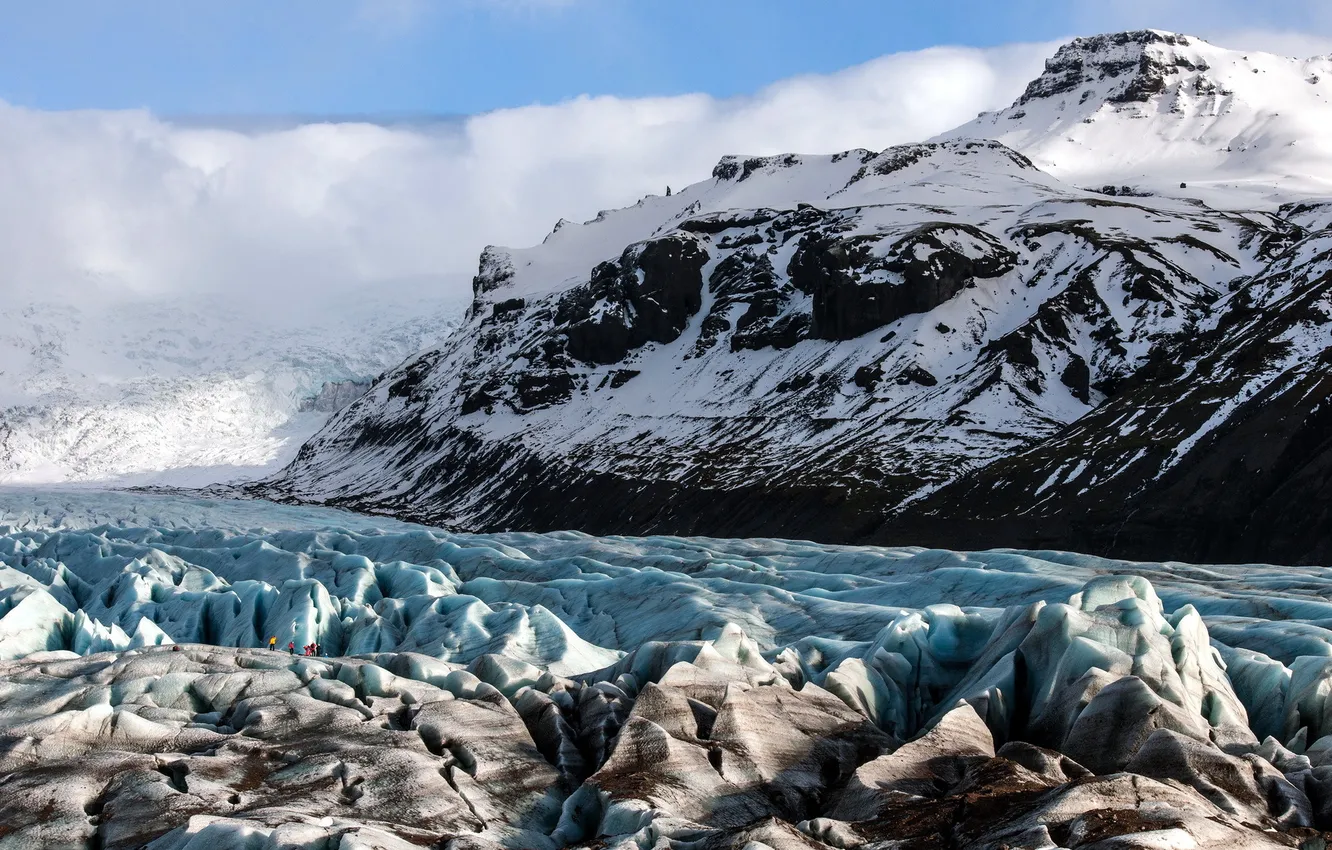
{"x": 1118, "y": 56}
{"x": 616, "y": 312}
{"x": 855, "y": 292}
{"x": 1231, "y": 468}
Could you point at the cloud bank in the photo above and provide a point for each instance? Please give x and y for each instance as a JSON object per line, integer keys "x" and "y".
{"x": 128, "y": 205}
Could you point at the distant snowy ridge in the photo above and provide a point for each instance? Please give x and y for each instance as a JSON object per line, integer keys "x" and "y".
{"x": 1155, "y": 109}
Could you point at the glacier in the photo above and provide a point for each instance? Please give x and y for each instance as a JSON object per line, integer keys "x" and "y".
{"x": 554, "y": 690}
{"x": 190, "y": 389}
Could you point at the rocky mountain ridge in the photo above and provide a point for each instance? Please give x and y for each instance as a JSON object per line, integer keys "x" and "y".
{"x": 858, "y": 346}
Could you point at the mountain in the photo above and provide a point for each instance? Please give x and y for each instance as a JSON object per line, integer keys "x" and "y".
{"x": 1156, "y": 109}
{"x": 941, "y": 338}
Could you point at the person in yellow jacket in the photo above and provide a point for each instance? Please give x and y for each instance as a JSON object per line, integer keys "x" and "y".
{"x": 272, "y": 643}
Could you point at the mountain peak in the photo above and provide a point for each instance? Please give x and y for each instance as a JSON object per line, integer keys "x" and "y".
{"x": 1130, "y": 66}
{"x": 1159, "y": 109}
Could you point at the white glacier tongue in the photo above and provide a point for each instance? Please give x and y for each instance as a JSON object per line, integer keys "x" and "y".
{"x": 189, "y": 391}
{"x": 543, "y": 691}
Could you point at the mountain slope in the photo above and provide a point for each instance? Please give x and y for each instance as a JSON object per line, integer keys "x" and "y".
{"x": 857, "y": 346}
{"x": 1222, "y": 445}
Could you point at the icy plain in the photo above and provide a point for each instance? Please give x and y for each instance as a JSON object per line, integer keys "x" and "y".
{"x": 543, "y": 691}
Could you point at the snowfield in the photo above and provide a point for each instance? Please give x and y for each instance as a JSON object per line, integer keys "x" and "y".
{"x": 1156, "y": 109}
{"x": 544, "y": 691}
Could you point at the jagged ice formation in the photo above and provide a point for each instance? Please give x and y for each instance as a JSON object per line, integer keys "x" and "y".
{"x": 562, "y": 690}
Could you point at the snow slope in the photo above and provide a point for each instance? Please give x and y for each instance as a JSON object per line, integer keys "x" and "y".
{"x": 890, "y": 320}
{"x": 1153, "y": 109}
{"x": 542, "y": 691}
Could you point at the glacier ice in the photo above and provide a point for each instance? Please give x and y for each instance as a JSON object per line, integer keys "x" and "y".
{"x": 544, "y": 691}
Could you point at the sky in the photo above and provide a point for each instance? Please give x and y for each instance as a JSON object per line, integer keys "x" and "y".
{"x": 159, "y": 148}
{"x": 461, "y": 57}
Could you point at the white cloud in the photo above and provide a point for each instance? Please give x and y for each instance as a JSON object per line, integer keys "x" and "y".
{"x": 124, "y": 203}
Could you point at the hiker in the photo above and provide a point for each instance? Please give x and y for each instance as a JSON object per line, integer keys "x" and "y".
{"x": 291, "y": 647}
{"x": 272, "y": 643}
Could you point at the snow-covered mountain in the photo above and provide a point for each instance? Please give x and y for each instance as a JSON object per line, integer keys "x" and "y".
{"x": 829, "y": 346}
{"x": 187, "y": 391}
{"x": 1155, "y": 109}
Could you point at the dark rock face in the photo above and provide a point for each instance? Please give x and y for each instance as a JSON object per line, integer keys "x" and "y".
{"x": 922, "y": 271}
{"x": 1232, "y": 467}
{"x": 1076, "y": 376}
{"x": 495, "y": 271}
{"x": 646, "y": 296}
{"x": 747, "y": 281}
{"x": 1117, "y": 56}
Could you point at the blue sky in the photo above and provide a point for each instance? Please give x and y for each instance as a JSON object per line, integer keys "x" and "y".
{"x": 457, "y": 57}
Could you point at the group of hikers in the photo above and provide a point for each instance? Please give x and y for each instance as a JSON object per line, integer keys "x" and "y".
{"x": 310, "y": 649}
